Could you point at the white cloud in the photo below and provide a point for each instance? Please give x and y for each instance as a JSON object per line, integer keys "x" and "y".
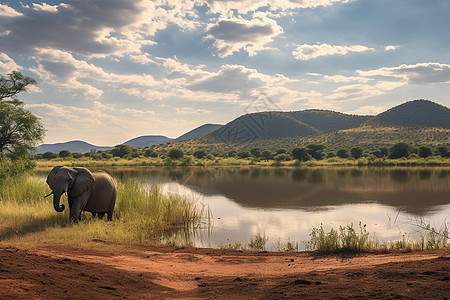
{"x": 7, "y": 64}
{"x": 341, "y": 78}
{"x": 233, "y": 34}
{"x": 190, "y": 111}
{"x": 130, "y": 112}
{"x": 421, "y": 73}
{"x": 6, "y": 11}
{"x": 391, "y": 47}
{"x": 368, "y": 110}
{"x": 245, "y": 6}
{"x": 307, "y": 52}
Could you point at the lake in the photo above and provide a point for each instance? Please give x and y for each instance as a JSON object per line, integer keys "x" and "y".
{"x": 286, "y": 203}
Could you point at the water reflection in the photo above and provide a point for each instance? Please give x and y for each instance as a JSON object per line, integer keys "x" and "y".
{"x": 288, "y": 202}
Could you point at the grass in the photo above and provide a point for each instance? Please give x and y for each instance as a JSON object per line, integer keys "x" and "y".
{"x": 142, "y": 213}
{"x": 235, "y": 161}
{"x": 349, "y": 239}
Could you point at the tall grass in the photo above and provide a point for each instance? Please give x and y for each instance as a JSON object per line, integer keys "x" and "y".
{"x": 141, "y": 213}
{"x": 348, "y": 239}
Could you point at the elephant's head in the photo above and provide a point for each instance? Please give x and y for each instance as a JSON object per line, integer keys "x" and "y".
{"x": 74, "y": 181}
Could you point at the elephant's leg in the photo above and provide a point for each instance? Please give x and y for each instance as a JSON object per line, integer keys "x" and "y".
{"x": 93, "y": 214}
{"x": 78, "y": 204}
{"x": 101, "y": 215}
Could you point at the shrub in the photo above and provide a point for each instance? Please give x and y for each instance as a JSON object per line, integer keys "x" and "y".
{"x": 175, "y": 153}
{"x": 356, "y": 152}
{"x": 399, "y": 150}
{"x": 342, "y": 153}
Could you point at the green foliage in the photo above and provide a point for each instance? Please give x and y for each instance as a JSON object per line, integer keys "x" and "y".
{"x": 266, "y": 154}
{"x": 356, "y": 152}
{"x": 200, "y": 154}
{"x": 50, "y": 155}
{"x": 175, "y": 153}
{"x": 255, "y": 152}
{"x": 14, "y": 83}
{"x": 316, "y": 151}
{"x": 244, "y": 154}
{"x": 346, "y": 239}
{"x": 342, "y": 153}
{"x": 258, "y": 242}
{"x": 20, "y": 130}
{"x": 14, "y": 166}
{"x": 300, "y": 154}
{"x": 443, "y": 151}
{"x": 425, "y": 152}
{"x": 121, "y": 150}
{"x": 399, "y": 150}
{"x": 64, "y": 153}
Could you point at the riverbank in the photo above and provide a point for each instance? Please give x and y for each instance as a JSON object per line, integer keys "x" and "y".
{"x": 132, "y": 271}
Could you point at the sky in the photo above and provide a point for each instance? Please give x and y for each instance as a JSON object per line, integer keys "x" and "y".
{"x": 112, "y": 70}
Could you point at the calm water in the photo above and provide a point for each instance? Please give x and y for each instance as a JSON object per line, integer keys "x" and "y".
{"x": 285, "y": 203}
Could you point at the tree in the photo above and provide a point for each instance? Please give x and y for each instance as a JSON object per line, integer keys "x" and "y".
{"x": 356, "y": 152}
{"x": 199, "y": 154}
{"x": 255, "y": 152}
{"x": 315, "y": 150}
{"x": 266, "y": 154}
{"x": 49, "y": 155}
{"x": 175, "y": 153}
{"x": 121, "y": 150}
{"x": 399, "y": 150}
{"x": 300, "y": 154}
{"x": 425, "y": 152}
{"x": 443, "y": 151}
{"x": 64, "y": 153}
{"x": 244, "y": 154}
{"x": 13, "y": 84}
{"x": 342, "y": 153}
{"x": 20, "y": 130}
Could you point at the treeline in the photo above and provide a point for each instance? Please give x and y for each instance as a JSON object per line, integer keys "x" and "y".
{"x": 309, "y": 152}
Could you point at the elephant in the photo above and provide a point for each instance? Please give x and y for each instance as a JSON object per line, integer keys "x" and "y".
{"x": 94, "y": 192}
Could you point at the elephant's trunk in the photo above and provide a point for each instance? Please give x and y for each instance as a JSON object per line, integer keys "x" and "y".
{"x": 56, "y": 197}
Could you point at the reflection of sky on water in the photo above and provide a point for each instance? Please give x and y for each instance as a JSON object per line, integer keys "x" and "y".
{"x": 235, "y": 223}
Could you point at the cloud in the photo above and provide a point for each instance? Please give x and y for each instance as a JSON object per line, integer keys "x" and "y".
{"x": 190, "y": 111}
{"x": 421, "y": 73}
{"x": 368, "y": 110}
{"x": 230, "y": 79}
{"x": 390, "y": 48}
{"x": 6, "y": 11}
{"x": 91, "y": 28}
{"x": 245, "y": 6}
{"x": 233, "y": 34}
{"x": 7, "y": 64}
{"x": 307, "y": 52}
{"x": 341, "y": 78}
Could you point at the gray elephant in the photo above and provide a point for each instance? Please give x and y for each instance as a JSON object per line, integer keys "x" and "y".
{"x": 95, "y": 192}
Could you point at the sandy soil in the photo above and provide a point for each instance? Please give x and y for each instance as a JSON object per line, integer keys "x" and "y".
{"x": 138, "y": 271}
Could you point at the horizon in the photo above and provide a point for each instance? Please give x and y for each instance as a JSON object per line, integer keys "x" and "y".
{"x": 154, "y": 68}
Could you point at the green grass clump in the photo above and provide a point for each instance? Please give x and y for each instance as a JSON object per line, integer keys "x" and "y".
{"x": 346, "y": 239}
{"x": 141, "y": 213}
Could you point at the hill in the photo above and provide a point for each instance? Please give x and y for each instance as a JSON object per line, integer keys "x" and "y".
{"x": 327, "y": 120}
{"x": 72, "y": 146}
{"x": 198, "y": 132}
{"x": 416, "y": 122}
{"x": 417, "y": 113}
{"x": 265, "y": 125}
{"x": 147, "y": 141}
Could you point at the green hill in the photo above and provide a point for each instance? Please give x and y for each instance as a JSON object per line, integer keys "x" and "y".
{"x": 327, "y": 120}
{"x": 417, "y": 113}
{"x": 265, "y": 125}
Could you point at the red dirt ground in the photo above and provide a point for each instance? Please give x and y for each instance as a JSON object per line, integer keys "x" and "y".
{"x": 155, "y": 272}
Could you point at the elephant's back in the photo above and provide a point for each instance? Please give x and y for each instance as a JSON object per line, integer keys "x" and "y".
{"x": 103, "y": 194}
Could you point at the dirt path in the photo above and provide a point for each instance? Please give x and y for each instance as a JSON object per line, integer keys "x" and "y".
{"x": 136, "y": 272}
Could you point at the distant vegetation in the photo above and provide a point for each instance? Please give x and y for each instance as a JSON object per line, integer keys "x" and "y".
{"x": 311, "y": 154}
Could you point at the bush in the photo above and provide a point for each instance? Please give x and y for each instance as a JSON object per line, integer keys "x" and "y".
{"x": 175, "y": 153}
{"x": 244, "y": 154}
{"x": 399, "y": 150}
{"x": 342, "y": 153}
{"x": 199, "y": 154}
{"x": 64, "y": 153}
{"x": 49, "y": 155}
{"x": 356, "y": 152}
{"x": 425, "y": 152}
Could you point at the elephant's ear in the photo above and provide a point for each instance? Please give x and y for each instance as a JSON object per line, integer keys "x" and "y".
{"x": 84, "y": 181}
{"x": 51, "y": 177}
